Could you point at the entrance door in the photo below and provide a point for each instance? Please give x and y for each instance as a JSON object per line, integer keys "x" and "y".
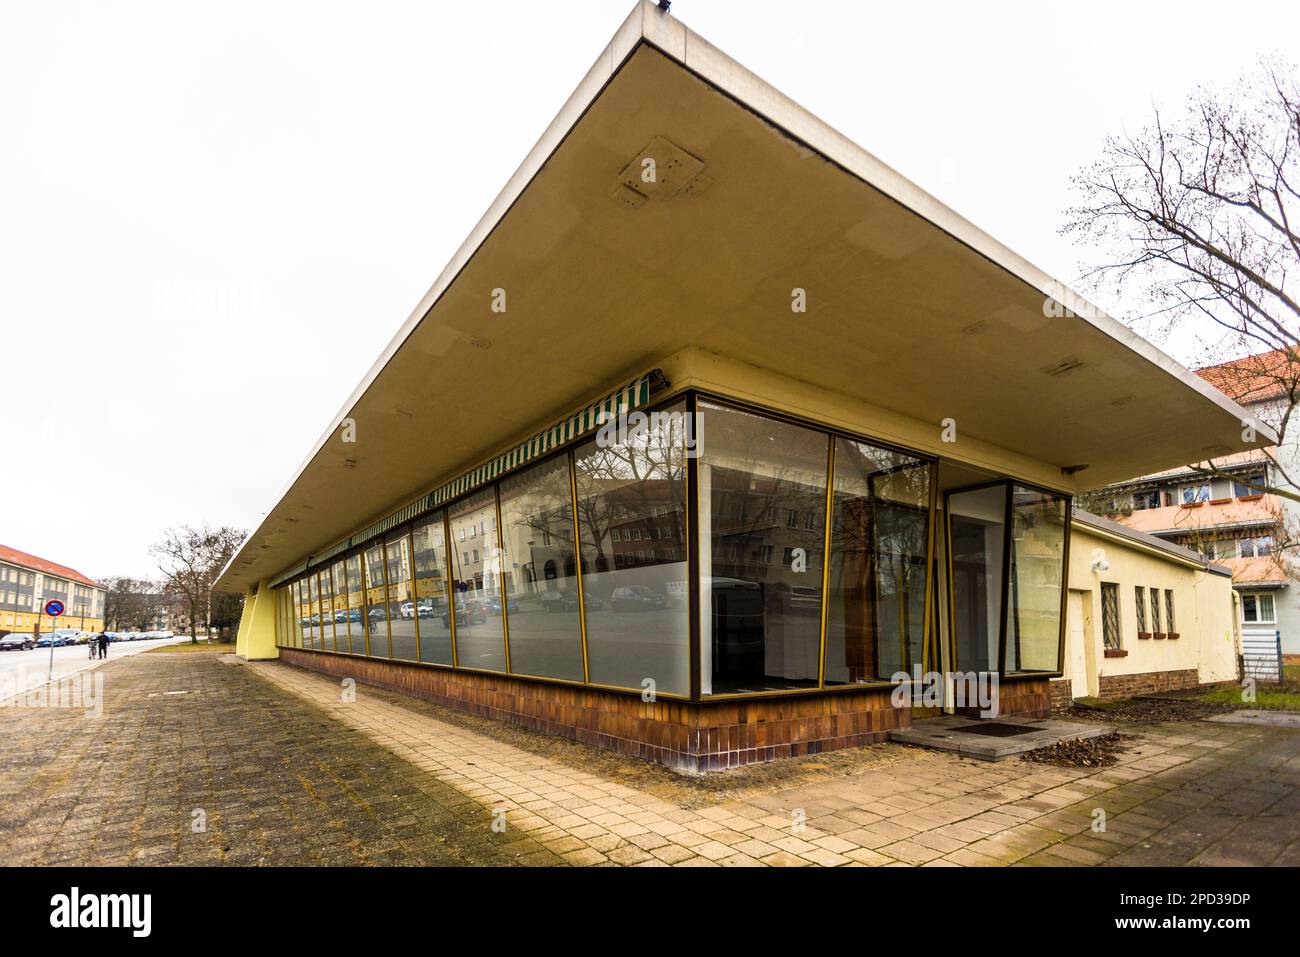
{"x": 1076, "y": 650}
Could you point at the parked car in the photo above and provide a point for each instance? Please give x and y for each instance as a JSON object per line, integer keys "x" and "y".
{"x": 636, "y": 598}
{"x": 407, "y": 609}
{"x": 467, "y": 613}
{"x": 378, "y": 613}
{"x": 494, "y": 605}
{"x": 568, "y": 601}
{"x": 17, "y": 642}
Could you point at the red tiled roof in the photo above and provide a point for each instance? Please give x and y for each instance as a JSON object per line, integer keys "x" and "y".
{"x": 15, "y": 557}
{"x": 1256, "y": 378}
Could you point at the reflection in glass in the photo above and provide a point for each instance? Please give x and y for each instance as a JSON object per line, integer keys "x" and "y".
{"x": 430, "y": 557}
{"x": 875, "y": 619}
{"x": 977, "y": 523}
{"x": 632, "y": 522}
{"x": 326, "y": 610}
{"x": 1037, "y": 564}
{"x": 401, "y": 603}
{"x": 540, "y": 572}
{"x": 286, "y": 616}
{"x": 762, "y": 536}
{"x": 312, "y": 629}
{"x": 476, "y": 563}
{"x": 356, "y": 604}
{"x": 340, "y": 606}
{"x": 300, "y": 613}
{"x": 376, "y": 609}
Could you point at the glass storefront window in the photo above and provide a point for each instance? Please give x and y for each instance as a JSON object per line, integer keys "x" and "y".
{"x": 875, "y": 618}
{"x": 356, "y": 604}
{"x": 631, "y": 496}
{"x": 311, "y": 633}
{"x": 508, "y": 599}
{"x": 541, "y": 573}
{"x": 431, "y": 609}
{"x": 977, "y": 533}
{"x": 1037, "y": 565}
{"x": 327, "y": 610}
{"x": 476, "y": 563}
{"x": 762, "y": 538}
{"x": 401, "y": 602}
{"x": 299, "y": 614}
{"x": 340, "y": 617}
{"x": 376, "y": 610}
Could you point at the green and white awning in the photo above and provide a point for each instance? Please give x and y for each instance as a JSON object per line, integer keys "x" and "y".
{"x": 587, "y": 419}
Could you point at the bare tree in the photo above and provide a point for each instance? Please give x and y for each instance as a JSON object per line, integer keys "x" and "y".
{"x": 132, "y": 603}
{"x": 1199, "y": 218}
{"x": 1105, "y": 502}
{"x": 190, "y": 559}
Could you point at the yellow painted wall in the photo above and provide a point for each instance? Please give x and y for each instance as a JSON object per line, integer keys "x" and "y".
{"x": 255, "y": 640}
{"x": 1204, "y": 612}
{"x": 713, "y": 373}
{"x": 25, "y": 621}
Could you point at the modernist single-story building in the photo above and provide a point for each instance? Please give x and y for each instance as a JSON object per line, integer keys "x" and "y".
{"x": 1144, "y": 615}
{"x": 846, "y": 428}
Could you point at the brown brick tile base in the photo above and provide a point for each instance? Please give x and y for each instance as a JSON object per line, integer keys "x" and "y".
{"x": 684, "y": 735}
{"x": 1149, "y": 682}
{"x": 1022, "y": 698}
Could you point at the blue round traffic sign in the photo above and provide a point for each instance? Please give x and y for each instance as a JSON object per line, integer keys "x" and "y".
{"x": 54, "y": 608}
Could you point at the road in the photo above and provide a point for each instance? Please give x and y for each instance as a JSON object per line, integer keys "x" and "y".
{"x": 20, "y": 670}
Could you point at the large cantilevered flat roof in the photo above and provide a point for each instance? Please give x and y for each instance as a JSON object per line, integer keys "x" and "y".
{"x": 909, "y": 306}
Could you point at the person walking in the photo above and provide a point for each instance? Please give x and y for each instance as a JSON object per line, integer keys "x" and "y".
{"x": 103, "y": 646}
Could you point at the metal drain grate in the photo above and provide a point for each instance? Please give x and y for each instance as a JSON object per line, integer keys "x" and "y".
{"x": 995, "y": 729}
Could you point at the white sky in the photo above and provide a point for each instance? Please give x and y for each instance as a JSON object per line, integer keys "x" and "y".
{"x": 213, "y": 216}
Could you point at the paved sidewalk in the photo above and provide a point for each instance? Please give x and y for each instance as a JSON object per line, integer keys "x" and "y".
{"x": 1192, "y": 793}
{"x": 285, "y": 771}
{"x": 273, "y": 781}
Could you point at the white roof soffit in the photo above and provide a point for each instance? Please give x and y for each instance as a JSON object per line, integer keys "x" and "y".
{"x": 910, "y": 306}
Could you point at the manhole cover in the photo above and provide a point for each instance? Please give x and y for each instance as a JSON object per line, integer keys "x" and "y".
{"x": 995, "y": 729}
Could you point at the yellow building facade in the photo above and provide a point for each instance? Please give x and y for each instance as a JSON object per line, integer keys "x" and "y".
{"x": 28, "y": 582}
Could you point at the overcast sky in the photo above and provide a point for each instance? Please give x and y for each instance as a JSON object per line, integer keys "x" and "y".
{"x": 213, "y": 216}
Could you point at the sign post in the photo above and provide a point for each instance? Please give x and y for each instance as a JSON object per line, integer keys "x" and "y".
{"x": 53, "y": 608}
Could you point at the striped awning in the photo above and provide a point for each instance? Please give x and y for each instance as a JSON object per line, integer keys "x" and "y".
{"x": 587, "y": 419}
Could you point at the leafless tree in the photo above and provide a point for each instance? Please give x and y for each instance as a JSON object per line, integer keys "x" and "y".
{"x": 132, "y": 603}
{"x": 1105, "y": 502}
{"x": 1198, "y": 217}
{"x": 189, "y": 559}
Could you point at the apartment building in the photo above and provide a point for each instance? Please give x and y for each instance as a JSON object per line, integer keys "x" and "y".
{"x": 27, "y": 582}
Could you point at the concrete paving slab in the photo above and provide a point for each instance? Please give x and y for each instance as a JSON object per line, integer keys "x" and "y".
{"x": 971, "y": 737}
